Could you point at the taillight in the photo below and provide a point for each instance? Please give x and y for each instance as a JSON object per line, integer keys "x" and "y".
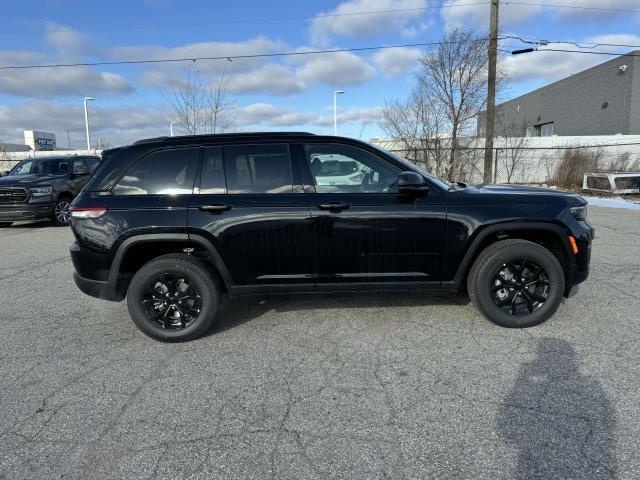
{"x": 87, "y": 212}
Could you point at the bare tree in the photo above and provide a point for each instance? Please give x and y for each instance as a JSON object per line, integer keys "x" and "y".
{"x": 201, "y": 107}
{"x": 512, "y": 152}
{"x": 439, "y": 115}
{"x": 101, "y": 143}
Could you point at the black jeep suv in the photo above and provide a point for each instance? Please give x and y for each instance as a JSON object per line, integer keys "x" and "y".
{"x": 44, "y": 187}
{"x": 173, "y": 224}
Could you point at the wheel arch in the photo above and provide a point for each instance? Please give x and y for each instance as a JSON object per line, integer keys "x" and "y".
{"x": 137, "y": 250}
{"x": 550, "y": 235}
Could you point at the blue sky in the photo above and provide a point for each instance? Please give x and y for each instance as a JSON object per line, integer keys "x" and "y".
{"x": 278, "y": 93}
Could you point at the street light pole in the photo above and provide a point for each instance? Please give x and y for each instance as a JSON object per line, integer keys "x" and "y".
{"x": 86, "y": 121}
{"x": 171, "y": 124}
{"x": 335, "y": 112}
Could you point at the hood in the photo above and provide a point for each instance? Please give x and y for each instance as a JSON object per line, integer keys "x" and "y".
{"x": 26, "y": 180}
{"x": 523, "y": 194}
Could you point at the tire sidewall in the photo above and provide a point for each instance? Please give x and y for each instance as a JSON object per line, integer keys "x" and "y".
{"x": 202, "y": 281}
{"x": 485, "y": 276}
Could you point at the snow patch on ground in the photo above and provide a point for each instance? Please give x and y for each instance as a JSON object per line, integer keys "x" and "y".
{"x": 613, "y": 202}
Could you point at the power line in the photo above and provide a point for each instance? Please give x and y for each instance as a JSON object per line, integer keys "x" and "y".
{"x": 613, "y": 54}
{"x": 573, "y": 7}
{"x": 578, "y": 44}
{"x": 222, "y": 57}
{"x": 261, "y": 20}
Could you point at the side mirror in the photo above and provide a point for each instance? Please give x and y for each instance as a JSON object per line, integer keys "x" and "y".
{"x": 412, "y": 182}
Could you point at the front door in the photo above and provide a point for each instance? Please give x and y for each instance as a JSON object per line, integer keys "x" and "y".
{"x": 367, "y": 232}
{"x": 249, "y": 206}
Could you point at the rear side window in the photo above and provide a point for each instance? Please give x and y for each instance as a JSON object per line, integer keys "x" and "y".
{"x": 167, "y": 172}
{"x": 212, "y": 180}
{"x": 258, "y": 169}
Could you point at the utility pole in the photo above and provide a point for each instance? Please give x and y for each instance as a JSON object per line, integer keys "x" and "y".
{"x": 491, "y": 92}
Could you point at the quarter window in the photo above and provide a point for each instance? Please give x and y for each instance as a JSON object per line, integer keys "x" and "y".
{"x": 338, "y": 168}
{"x": 258, "y": 169}
{"x": 167, "y": 172}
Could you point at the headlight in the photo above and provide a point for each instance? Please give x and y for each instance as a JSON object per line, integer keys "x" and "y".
{"x": 41, "y": 191}
{"x": 580, "y": 213}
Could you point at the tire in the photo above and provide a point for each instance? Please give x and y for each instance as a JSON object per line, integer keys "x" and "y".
{"x": 503, "y": 284}
{"x": 5, "y": 224}
{"x": 61, "y": 215}
{"x": 176, "y": 321}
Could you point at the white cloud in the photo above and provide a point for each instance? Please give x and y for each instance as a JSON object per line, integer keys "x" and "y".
{"x": 459, "y": 13}
{"x": 462, "y": 14}
{"x": 69, "y": 43}
{"x": 120, "y": 125}
{"x": 552, "y": 66}
{"x": 335, "y": 69}
{"x": 49, "y": 82}
{"x": 272, "y": 78}
{"x": 394, "y": 61}
{"x": 345, "y": 23}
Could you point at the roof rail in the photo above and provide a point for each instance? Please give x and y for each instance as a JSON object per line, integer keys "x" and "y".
{"x": 218, "y": 135}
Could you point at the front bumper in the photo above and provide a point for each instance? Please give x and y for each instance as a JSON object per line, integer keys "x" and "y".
{"x": 25, "y": 211}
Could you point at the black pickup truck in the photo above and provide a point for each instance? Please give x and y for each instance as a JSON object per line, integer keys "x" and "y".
{"x": 43, "y": 188}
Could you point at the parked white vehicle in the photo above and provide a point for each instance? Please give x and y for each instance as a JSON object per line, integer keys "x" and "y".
{"x": 335, "y": 170}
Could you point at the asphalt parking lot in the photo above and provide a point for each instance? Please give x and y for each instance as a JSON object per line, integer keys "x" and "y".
{"x": 369, "y": 386}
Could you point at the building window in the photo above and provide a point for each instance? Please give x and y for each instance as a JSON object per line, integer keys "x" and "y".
{"x": 543, "y": 130}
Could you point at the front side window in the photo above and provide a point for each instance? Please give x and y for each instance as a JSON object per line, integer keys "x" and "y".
{"x": 92, "y": 163}
{"x": 338, "y": 168}
{"x": 166, "y": 172}
{"x": 258, "y": 169}
{"x": 47, "y": 166}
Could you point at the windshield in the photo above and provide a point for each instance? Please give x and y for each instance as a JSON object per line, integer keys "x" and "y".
{"x": 439, "y": 182}
{"x": 45, "y": 166}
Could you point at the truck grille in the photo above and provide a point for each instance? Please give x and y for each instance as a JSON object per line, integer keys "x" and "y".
{"x": 13, "y": 195}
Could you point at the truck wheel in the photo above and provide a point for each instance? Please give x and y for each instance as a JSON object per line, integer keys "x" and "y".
{"x": 5, "y": 224}
{"x": 516, "y": 283}
{"x": 174, "y": 298}
{"x": 61, "y": 214}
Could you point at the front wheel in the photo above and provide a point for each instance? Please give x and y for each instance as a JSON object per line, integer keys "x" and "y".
{"x": 61, "y": 214}
{"x": 516, "y": 283}
{"x": 174, "y": 298}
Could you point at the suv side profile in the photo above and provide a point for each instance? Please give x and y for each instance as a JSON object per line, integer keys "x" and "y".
{"x": 43, "y": 188}
{"x": 175, "y": 224}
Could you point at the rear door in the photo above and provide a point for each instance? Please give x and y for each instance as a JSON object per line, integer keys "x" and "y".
{"x": 367, "y": 232}
{"x": 250, "y": 205}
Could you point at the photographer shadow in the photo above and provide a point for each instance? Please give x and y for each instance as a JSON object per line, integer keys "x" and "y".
{"x": 560, "y": 421}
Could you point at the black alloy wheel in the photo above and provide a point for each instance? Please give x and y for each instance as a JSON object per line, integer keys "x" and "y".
{"x": 520, "y": 287}
{"x": 172, "y": 301}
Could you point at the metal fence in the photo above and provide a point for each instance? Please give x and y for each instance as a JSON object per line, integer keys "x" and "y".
{"x": 517, "y": 163}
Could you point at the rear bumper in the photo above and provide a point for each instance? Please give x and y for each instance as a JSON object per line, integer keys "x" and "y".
{"x": 25, "y": 211}
{"x": 97, "y": 288}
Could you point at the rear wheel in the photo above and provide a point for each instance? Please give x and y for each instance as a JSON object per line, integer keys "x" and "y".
{"x": 174, "y": 298}
{"x": 516, "y": 283}
{"x": 5, "y": 224}
{"x": 61, "y": 214}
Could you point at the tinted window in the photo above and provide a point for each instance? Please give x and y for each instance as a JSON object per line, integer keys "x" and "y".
{"x": 212, "y": 179}
{"x": 167, "y": 172}
{"x": 47, "y": 166}
{"x": 258, "y": 169}
{"x": 340, "y": 168}
{"x": 78, "y": 164}
{"x": 92, "y": 163}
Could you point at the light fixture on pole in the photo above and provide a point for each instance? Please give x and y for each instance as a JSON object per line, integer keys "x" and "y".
{"x": 171, "y": 124}
{"x": 335, "y": 113}
{"x": 86, "y": 121}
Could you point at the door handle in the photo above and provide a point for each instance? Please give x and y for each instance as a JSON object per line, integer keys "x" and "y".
{"x": 334, "y": 206}
{"x": 218, "y": 207}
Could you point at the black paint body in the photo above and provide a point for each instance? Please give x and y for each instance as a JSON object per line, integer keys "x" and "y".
{"x": 263, "y": 243}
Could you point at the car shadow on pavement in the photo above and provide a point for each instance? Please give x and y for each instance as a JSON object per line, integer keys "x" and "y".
{"x": 559, "y": 421}
{"x": 244, "y": 309}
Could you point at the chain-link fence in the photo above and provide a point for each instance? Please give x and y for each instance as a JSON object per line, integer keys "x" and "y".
{"x": 517, "y": 161}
